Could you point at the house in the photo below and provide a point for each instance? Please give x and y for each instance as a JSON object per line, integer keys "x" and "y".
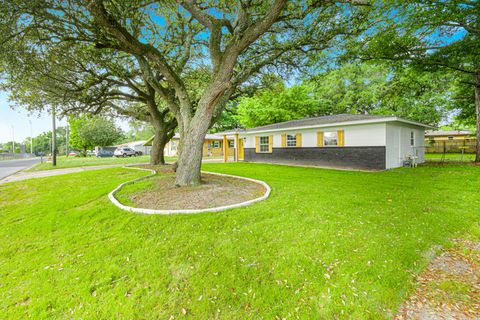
{"x": 138, "y": 146}
{"x": 213, "y": 145}
{"x": 346, "y": 140}
{"x": 450, "y": 141}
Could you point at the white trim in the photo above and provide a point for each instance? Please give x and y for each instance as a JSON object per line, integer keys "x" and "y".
{"x": 114, "y": 200}
{"x": 338, "y": 124}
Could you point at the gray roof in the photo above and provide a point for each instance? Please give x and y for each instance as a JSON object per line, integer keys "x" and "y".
{"x": 448, "y": 133}
{"x": 339, "y": 118}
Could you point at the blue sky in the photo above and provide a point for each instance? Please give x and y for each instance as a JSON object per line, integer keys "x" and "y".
{"x": 19, "y": 119}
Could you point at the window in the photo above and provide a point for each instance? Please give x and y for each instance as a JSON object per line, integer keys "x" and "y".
{"x": 216, "y": 144}
{"x": 412, "y": 138}
{"x": 291, "y": 140}
{"x": 264, "y": 144}
{"x": 450, "y": 138}
{"x": 330, "y": 138}
{"x": 231, "y": 144}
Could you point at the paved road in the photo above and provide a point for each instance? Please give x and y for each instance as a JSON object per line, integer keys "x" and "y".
{"x": 9, "y": 167}
{"x": 24, "y": 175}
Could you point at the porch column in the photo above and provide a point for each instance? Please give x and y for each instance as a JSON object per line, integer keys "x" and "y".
{"x": 236, "y": 147}
{"x": 225, "y": 148}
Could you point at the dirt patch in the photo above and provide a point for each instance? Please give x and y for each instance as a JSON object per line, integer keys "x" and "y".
{"x": 449, "y": 288}
{"x": 215, "y": 191}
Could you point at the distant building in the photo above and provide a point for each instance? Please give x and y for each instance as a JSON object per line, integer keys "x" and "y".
{"x": 450, "y": 141}
{"x": 138, "y": 146}
{"x": 212, "y": 145}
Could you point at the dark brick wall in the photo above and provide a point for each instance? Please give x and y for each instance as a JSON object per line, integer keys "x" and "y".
{"x": 345, "y": 157}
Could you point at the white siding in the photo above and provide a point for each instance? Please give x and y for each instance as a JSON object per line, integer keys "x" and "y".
{"x": 398, "y": 144}
{"x": 362, "y": 135}
{"x": 395, "y": 136}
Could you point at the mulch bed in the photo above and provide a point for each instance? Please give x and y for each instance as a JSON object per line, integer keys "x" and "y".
{"x": 449, "y": 288}
{"x": 215, "y": 191}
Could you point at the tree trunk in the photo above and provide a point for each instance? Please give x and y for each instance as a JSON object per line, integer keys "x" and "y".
{"x": 477, "y": 108}
{"x": 191, "y": 151}
{"x": 158, "y": 146}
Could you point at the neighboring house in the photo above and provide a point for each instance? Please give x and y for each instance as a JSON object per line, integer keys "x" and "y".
{"x": 349, "y": 141}
{"x": 450, "y": 141}
{"x": 139, "y": 146}
{"x": 212, "y": 145}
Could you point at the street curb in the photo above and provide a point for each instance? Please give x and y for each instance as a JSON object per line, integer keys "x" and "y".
{"x": 114, "y": 200}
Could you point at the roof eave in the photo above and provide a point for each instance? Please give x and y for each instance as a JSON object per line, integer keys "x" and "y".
{"x": 338, "y": 124}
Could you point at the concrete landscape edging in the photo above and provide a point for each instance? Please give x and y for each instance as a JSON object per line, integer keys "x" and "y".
{"x": 117, "y": 203}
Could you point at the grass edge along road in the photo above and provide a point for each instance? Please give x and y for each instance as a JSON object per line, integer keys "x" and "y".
{"x": 326, "y": 244}
{"x": 70, "y": 162}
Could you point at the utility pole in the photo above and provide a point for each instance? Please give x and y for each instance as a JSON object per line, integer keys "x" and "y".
{"x": 13, "y": 142}
{"x": 54, "y": 138}
{"x": 31, "y": 138}
{"x": 66, "y": 140}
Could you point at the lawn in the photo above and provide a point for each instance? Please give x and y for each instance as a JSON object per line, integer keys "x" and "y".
{"x": 452, "y": 157}
{"x": 327, "y": 244}
{"x": 69, "y": 162}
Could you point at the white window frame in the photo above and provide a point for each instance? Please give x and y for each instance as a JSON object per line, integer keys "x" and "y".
{"x": 231, "y": 144}
{"x": 412, "y": 139}
{"x": 263, "y": 144}
{"x": 216, "y": 144}
{"x": 291, "y": 140}
{"x": 325, "y": 136}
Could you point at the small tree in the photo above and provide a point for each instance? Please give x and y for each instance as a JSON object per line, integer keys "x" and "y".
{"x": 277, "y": 105}
{"x": 87, "y": 132}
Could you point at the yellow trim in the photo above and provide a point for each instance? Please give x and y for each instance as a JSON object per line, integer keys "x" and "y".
{"x": 240, "y": 150}
{"x": 270, "y": 144}
{"x": 284, "y": 140}
{"x": 257, "y": 144}
{"x": 298, "y": 140}
{"x": 341, "y": 138}
{"x": 320, "y": 139}
{"x": 225, "y": 148}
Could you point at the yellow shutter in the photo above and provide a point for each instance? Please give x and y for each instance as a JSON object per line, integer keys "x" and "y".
{"x": 298, "y": 139}
{"x": 270, "y": 144}
{"x": 257, "y": 144}
{"x": 341, "y": 138}
{"x": 284, "y": 140}
{"x": 320, "y": 139}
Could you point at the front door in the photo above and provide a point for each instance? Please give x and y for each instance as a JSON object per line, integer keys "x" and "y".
{"x": 240, "y": 149}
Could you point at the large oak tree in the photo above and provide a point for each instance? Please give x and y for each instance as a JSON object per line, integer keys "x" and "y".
{"x": 231, "y": 40}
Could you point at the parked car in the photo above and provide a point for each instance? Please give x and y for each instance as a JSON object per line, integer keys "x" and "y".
{"x": 74, "y": 154}
{"x": 90, "y": 153}
{"x": 104, "y": 154}
{"x": 139, "y": 153}
{"x": 124, "y": 152}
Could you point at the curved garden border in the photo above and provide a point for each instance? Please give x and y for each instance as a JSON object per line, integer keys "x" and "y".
{"x": 114, "y": 200}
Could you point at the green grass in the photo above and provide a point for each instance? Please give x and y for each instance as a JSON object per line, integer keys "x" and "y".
{"x": 326, "y": 245}
{"x": 450, "y": 157}
{"x": 69, "y": 162}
